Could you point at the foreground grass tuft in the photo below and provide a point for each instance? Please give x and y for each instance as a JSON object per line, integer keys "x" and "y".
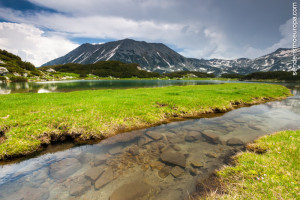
{"x": 28, "y": 121}
{"x": 272, "y": 175}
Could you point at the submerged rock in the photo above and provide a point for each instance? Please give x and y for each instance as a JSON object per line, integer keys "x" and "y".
{"x": 143, "y": 140}
{"x": 64, "y": 168}
{"x": 134, "y": 150}
{"x": 130, "y": 191}
{"x": 104, "y": 179}
{"x": 154, "y": 135}
{"x": 94, "y": 173}
{"x": 157, "y": 165}
{"x": 115, "y": 150}
{"x": 177, "y": 171}
{"x": 189, "y": 138}
{"x": 174, "y": 158}
{"x": 196, "y": 164}
{"x": 234, "y": 142}
{"x": 211, "y": 136}
{"x": 164, "y": 172}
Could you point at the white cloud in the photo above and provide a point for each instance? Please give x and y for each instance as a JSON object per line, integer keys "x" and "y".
{"x": 31, "y": 44}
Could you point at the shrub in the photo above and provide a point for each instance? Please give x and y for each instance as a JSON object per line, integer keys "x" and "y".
{"x": 18, "y": 79}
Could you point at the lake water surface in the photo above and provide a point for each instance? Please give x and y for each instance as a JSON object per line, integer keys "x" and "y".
{"x": 163, "y": 162}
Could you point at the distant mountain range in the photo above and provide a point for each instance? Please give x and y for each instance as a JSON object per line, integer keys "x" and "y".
{"x": 157, "y": 57}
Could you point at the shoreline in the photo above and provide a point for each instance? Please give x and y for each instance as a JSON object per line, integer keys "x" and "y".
{"x": 250, "y": 173}
{"x": 77, "y": 141}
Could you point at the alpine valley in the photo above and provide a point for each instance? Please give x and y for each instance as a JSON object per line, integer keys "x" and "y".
{"x": 157, "y": 57}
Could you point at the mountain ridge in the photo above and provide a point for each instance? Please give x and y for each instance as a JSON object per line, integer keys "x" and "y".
{"x": 157, "y": 57}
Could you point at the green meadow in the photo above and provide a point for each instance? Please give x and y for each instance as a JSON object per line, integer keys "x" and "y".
{"x": 30, "y": 121}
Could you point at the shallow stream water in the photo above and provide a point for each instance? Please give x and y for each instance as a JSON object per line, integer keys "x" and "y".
{"x": 163, "y": 162}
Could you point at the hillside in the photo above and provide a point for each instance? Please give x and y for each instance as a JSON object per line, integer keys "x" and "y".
{"x": 157, "y": 57}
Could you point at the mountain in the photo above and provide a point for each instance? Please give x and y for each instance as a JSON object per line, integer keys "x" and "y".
{"x": 157, "y": 57}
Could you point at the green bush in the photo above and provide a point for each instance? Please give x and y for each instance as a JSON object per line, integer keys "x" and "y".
{"x": 2, "y": 78}
{"x": 18, "y": 79}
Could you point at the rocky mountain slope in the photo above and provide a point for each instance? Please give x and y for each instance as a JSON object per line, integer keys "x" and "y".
{"x": 157, "y": 57}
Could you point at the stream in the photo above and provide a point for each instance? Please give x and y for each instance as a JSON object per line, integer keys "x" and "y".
{"x": 163, "y": 162}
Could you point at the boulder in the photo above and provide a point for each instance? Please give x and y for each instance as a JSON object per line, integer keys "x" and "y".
{"x": 50, "y": 70}
{"x": 234, "y": 142}
{"x": 174, "y": 158}
{"x": 64, "y": 168}
{"x": 177, "y": 171}
{"x": 104, "y": 179}
{"x": 154, "y": 135}
{"x": 210, "y": 136}
{"x": 130, "y": 191}
{"x": 3, "y": 71}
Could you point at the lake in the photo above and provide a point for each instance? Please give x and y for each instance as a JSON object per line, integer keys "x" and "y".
{"x": 69, "y": 86}
{"x": 162, "y": 162}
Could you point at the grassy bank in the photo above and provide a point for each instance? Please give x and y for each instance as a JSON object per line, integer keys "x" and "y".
{"x": 29, "y": 121}
{"x": 274, "y": 174}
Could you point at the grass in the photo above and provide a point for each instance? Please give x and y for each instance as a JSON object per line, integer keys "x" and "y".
{"x": 30, "y": 120}
{"x": 271, "y": 175}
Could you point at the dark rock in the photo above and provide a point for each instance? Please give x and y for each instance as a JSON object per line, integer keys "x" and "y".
{"x": 154, "y": 135}
{"x": 94, "y": 173}
{"x": 134, "y": 190}
{"x": 211, "y": 136}
{"x": 104, "y": 179}
{"x": 174, "y": 158}
{"x": 164, "y": 172}
{"x": 177, "y": 171}
{"x": 64, "y": 168}
{"x": 234, "y": 142}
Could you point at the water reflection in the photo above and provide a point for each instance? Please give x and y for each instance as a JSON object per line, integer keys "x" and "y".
{"x": 68, "y": 86}
{"x": 162, "y": 162}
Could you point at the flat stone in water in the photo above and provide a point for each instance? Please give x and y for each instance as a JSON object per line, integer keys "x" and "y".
{"x": 211, "y": 155}
{"x": 176, "y": 147}
{"x": 164, "y": 172}
{"x": 130, "y": 191}
{"x": 64, "y": 168}
{"x": 173, "y": 157}
{"x": 104, "y": 179}
{"x": 234, "y": 142}
{"x": 154, "y": 135}
{"x": 94, "y": 173}
{"x": 195, "y": 134}
{"x": 177, "y": 171}
{"x": 196, "y": 164}
{"x": 210, "y": 136}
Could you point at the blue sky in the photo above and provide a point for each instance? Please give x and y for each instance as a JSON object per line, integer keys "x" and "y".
{"x": 41, "y": 30}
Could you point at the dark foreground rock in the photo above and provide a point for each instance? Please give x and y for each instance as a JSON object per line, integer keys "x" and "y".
{"x": 174, "y": 158}
{"x": 64, "y": 168}
{"x": 134, "y": 190}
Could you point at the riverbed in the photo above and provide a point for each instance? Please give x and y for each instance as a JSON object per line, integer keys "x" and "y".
{"x": 162, "y": 162}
